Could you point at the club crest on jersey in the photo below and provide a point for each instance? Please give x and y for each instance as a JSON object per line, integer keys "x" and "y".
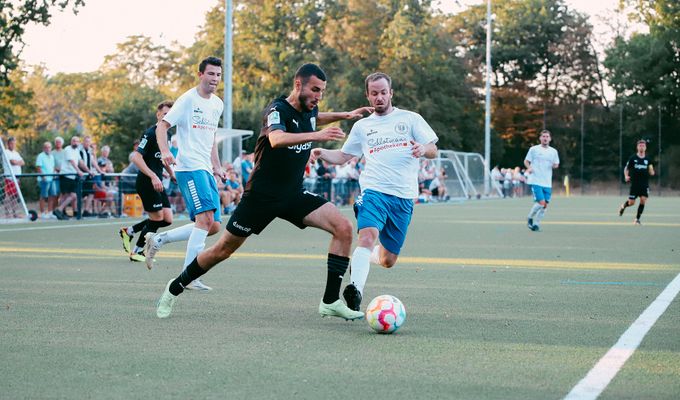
{"x": 313, "y": 122}
{"x": 401, "y": 128}
{"x": 273, "y": 118}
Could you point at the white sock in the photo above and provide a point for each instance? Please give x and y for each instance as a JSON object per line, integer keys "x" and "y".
{"x": 375, "y": 255}
{"x": 534, "y": 210}
{"x": 539, "y": 216}
{"x": 136, "y": 250}
{"x": 130, "y": 231}
{"x": 360, "y": 267}
{"x": 176, "y": 235}
{"x": 195, "y": 245}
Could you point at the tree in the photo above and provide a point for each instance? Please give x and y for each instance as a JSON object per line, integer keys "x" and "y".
{"x": 14, "y": 16}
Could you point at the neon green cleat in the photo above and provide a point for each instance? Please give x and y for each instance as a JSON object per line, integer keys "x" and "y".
{"x": 339, "y": 309}
{"x": 165, "y": 303}
{"x": 126, "y": 239}
{"x": 137, "y": 257}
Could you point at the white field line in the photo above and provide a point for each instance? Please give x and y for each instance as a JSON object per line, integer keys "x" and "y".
{"x": 606, "y": 369}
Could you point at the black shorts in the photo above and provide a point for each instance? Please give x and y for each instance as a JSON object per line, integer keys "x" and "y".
{"x": 638, "y": 191}
{"x": 151, "y": 199}
{"x": 256, "y": 211}
{"x": 67, "y": 185}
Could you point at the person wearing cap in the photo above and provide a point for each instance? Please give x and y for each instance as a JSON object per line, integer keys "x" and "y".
{"x": 637, "y": 171}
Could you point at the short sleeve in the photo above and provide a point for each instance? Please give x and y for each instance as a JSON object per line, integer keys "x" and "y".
{"x": 556, "y": 158}
{"x": 145, "y": 141}
{"x": 178, "y": 111}
{"x": 530, "y": 155}
{"x": 422, "y": 131}
{"x": 353, "y": 143}
{"x": 275, "y": 119}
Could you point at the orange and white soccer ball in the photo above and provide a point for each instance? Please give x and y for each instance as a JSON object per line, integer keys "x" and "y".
{"x": 385, "y": 314}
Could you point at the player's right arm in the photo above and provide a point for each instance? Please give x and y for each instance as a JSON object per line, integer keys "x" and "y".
{"x": 162, "y": 139}
{"x": 138, "y": 160}
{"x": 626, "y": 171}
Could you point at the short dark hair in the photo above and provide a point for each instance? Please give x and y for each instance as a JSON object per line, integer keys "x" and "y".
{"x": 164, "y": 103}
{"x": 545, "y": 131}
{"x": 210, "y": 60}
{"x": 307, "y": 70}
{"x": 377, "y": 76}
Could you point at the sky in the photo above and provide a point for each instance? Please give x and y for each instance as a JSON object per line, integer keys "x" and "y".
{"x": 79, "y": 43}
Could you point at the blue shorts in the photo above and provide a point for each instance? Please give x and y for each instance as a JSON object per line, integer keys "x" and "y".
{"x": 199, "y": 191}
{"x": 391, "y": 215}
{"x": 48, "y": 189}
{"x": 541, "y": 193}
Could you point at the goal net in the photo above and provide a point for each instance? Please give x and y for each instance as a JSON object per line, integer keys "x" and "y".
{"x": 12, "y": 205}
{"x": 465, "y": 174}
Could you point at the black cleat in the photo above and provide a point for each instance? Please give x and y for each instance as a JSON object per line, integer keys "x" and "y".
{"x": 352, "y": 297}
{"x": 530, "y": 224}
{"x": 621, "y": 210}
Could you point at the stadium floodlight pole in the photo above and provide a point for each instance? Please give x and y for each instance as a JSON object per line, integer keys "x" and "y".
{"x": 658, "y": 173}
{"x": 620, "y": 147}
{"x": 582, "y": 151}
{"x": 227, "y": 151}
{"x": 487, "y": 111}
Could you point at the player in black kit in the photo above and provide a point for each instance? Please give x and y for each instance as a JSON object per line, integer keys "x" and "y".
{"x": 150, "y": 188}
{"x": 638, "y": 170}
{"x": 275, "y": 190}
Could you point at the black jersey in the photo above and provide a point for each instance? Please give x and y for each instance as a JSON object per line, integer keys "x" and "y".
{"x": 638, "y": 170}
{"x": 281, "y": 171}
{"x": 148, "y": 148}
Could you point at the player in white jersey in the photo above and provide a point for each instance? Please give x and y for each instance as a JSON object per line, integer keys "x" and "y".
{"x": 392, "y": 140}
{"x": 540, "y": 161}
{"x": 196, "y": 114}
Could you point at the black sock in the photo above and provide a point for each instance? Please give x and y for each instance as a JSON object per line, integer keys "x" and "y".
{"x": 192, "y": 272}
{"x": 641, "y": 208}
{"x": 151, "y": 226}
{"x": 625, "y": 204}
{"x": 139, "y": 226}
{"x": 337, "y": 266}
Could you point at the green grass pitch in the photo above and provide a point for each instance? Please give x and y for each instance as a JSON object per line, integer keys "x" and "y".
{"x": 494, "y": 311}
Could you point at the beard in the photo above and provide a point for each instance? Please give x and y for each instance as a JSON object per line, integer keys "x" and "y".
{"x": 302, "y": 99}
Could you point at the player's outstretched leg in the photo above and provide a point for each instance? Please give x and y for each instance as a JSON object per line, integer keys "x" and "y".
{"x": 331, "y": 305}
{"x": 176, "y": 286}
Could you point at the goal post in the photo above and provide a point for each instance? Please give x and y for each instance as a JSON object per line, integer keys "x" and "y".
{"x": 12, "y": 204}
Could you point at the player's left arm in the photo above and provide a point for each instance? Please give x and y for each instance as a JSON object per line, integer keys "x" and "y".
{"x": 651, "y": 170}
{"x": 324, "y": 118}
{"x": 427, "y": 150}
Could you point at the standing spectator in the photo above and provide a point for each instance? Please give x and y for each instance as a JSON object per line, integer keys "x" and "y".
{"x": 507, "y": 182}
{"x": 540, "y": 161}
{"x": 59, "y": 159}
{"x": 89, "y": 167}
{"x": 104, "y": 163}
{"x": 246, "y": 167}
{"x": 44, "y": 164}
{"x": 15, "y": 162}
{"x": 324, "y": 174}
{"x": 68, "y": 182}
{"x": 13, "y": 156}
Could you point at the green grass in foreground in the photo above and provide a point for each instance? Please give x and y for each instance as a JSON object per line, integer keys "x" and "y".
{"x": 494, "y": 311}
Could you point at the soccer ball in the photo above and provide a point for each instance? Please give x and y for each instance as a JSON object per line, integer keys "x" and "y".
{"x": 385, "y": 314}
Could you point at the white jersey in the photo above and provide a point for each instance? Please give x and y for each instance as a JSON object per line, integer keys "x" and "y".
{"x": 196, "y": 119}
{"x": 385, "y": 141}
{"x": 542, "y": 160}
{"x": 70, "y": 154}
{"x": 13, "y": 155}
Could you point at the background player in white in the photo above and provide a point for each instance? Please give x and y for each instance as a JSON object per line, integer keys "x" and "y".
{"x": 196, "y": 113}
{"x": 540, "y": 161}
{"x": 392, "y": 140}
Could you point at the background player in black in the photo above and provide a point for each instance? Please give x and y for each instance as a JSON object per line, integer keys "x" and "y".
{"x": 150, "y": 188}
{"x": 637, "y": 171}
{"x": 275, "y": 190}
